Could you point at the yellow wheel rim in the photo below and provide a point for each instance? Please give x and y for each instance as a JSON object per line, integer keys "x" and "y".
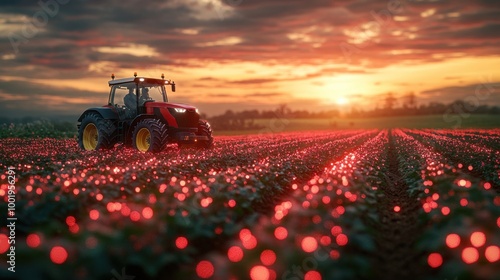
{"x": 90, "y": 137}
{"x": 143, "y": 140}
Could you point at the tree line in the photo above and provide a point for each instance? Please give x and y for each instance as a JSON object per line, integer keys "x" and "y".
{"x": 231, "y": 120}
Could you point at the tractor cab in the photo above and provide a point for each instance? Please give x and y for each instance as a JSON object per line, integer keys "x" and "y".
{"x": 129, "y": 96}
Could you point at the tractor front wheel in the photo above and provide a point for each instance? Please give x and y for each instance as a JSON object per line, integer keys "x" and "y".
{"x": 150, "y": 136}
{"x": 96, "y": 133}
{"x": 204, "y": 129}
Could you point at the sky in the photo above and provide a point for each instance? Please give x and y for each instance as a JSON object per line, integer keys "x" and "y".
{"x": 56, "y": 56}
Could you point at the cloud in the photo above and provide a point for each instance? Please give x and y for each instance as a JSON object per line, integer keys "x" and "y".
{"x": 483, "y": 93}
{"x": 21, "y": 98}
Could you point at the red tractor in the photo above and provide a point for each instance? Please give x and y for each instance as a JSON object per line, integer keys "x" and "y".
{"x": 139, "y": 115}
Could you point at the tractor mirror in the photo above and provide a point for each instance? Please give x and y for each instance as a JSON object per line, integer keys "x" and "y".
{"x": 173, "y": 87}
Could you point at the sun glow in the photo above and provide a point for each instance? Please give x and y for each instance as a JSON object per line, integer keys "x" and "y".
{"x": 341, "y": 101}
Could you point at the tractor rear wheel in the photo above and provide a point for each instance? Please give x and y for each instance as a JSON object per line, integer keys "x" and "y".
{"x": 150, "y": 135}
{"x": 96, "y": 133}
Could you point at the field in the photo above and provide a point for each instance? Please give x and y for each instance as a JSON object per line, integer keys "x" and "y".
{"x": 344, "y": 204}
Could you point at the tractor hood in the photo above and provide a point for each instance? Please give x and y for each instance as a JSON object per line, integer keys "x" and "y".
{"x": 168, "y": 105}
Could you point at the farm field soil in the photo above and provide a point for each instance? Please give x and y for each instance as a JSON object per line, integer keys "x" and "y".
{"x": 345, "y": 204}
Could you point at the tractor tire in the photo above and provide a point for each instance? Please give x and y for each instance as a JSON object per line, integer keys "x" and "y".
{"x": 96, "y": 133}
{"x": 204, "y": 129}
{"x": 150, "y": 135}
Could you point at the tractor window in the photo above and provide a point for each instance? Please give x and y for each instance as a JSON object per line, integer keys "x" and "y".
{"x": 120, "y": 91}
{"x": 124, "y": 95}
{"x": 151, "y": 92}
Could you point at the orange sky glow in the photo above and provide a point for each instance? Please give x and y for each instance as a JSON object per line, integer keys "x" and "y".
{"x": 246, "y": 54}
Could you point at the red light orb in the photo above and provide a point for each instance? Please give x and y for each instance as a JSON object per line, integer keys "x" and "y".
{"x": 58, "y": 255}
{"x": 205, "y": 269}
{"x": 435, "y": 260}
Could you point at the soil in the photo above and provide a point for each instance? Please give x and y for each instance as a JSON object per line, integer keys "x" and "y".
{"x": 397, "y": 232}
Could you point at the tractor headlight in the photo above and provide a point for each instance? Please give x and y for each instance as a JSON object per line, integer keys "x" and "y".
{"x": 180, "y": 110}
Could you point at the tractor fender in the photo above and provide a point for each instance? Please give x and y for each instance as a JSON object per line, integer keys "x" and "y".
{"x": 106, "y": 113}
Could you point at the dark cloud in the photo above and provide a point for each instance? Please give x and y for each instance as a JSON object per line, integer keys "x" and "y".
{"x": 22, "y": 98}
{"x": 486, "y": 93}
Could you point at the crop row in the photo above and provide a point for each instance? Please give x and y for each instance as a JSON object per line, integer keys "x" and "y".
{"x": 460, "y": 214}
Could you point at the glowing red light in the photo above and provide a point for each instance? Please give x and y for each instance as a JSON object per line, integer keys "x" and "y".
{"x": 464, "y": 202}
{"x": 4, "y": 243}
{"x": 309, "y": 244}
{"x": 235, "y": 254}
{"x": 470, "y": 255}
{"x": 33, "y": 240}
{"x": 452, "y": 240}
{"x": 58, "y": 255}
{"x": 231, "y": 203}
{"x": 204, "y": 203}
{"x": 336, "y": 230}
{"x": 312, "y": 275}
{"x": 250, "y": 243}
{"x": 280, "y": 233}
{"x": 435, "y": 260}
{"x": 487, "y": 186}
{"x": 94, "y": 214}
{"x": 125, "y": 210}
{"x": 325, "y": 199}
{"x": 74, "y": 228}
{"x": 205, "y": 269}
{"x": 340, "y": 210}
{"x": 492, "y": 253}
{"x": 181, "y": 197}
{"x": 268, "y": 257}
{"x": 325, "y": 240}
{"x": 245, "y": 234}
{"x": 334, "y": 254}
{"x": 462, "y": 183}
{"x": 342, "y": 239}
{"x": 259, "y": 272}
{"x": 110, "y": 206}
{"x": 445, "y": 210}
{"x": 181, "y": 242}
{"x": 477, "y": 239}
{"x": 397, "y": 209}
{"x": 70, "y": 221}
{"x": 147, "y": 213}
{"x": 135, "y": 216}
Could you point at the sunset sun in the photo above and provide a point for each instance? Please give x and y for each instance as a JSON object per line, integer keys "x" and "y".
{"x": 341, "y": 100}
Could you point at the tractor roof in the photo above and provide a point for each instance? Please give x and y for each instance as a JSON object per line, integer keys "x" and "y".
{"x": 138, "y": 80}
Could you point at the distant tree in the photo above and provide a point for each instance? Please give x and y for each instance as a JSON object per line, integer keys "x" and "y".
{"x": 283, "y": 110}
{"x": 411, "y": 100}
{"x": 390, "y": 101}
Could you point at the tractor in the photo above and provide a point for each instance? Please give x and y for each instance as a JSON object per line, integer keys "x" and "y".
{"x": 139, "y": 115}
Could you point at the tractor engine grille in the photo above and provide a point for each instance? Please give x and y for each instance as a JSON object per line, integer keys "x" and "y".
{"x": 189, "y": 119}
